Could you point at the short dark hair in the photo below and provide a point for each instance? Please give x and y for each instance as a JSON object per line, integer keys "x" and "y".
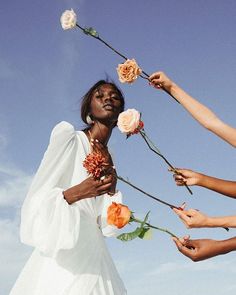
{"x": 86, "y": 99}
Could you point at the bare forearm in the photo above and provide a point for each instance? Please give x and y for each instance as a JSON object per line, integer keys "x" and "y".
{"x": 73, "y": 195}
{"x": 89, "y": 188}
{"x": 204, "y": 115}
{"x": 225, "y": 187}
{"x": 227, "y": 246}
{"x": 199, "y": 112}
{"x": 225, "y": 221}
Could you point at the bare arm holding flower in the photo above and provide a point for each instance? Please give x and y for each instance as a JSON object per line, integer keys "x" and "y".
{"x": 89, "y": 188}
{"x": 193, "y": 218}
{"x": 202, "y": 249}
{"x": 198, "y": 111}
{"x": 189, "y": 177}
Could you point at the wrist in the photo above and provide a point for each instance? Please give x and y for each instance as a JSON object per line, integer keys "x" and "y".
{"x": 171, "y": 87}
{"x": 72, "y": 195}
{"x": 200, "y": 179}
{"x": 227, "y": 246}
{"x": 211, "y": 222}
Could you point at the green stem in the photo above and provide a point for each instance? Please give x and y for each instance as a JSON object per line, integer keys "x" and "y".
{"x": 155, "y": 227}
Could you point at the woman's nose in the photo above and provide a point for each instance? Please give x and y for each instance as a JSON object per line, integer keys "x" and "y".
{"x": 107, "y": 98}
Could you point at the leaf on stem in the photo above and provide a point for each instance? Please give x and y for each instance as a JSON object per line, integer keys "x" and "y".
{"x": 91, "y": 31}
{"x": 146, "y": 233}
{"x": 125, "y": 237}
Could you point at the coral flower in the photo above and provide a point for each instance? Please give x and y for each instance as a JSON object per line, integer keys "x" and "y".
{"x": 118, "y": 215}
{"x": 95, "y": 164}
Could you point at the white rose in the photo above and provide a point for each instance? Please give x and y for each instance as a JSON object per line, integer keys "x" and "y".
{"x": 68, "y": 19}
{"x": 128, "y": 121}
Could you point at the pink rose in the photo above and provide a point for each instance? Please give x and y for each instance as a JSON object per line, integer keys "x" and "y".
{"x": 128, "y": 121}
{"x": 129, "y": 71}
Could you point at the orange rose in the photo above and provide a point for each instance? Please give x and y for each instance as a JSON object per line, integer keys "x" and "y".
{"x": 129, "y": 71}
{"x": 118, "y": 215}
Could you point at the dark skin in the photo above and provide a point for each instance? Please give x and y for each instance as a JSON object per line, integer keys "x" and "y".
{"x": 202, "y": 249}
{"x": 105, "y": 108}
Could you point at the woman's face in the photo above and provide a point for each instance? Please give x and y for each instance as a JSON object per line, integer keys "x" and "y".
{"x": 105, "y": 104}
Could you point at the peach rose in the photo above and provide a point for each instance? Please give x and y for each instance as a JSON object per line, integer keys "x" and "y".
{"x": 118, "y": 215}
{"x": 128, "y": 121}
{"x": 68, "y": 19}
{"x": 129, "y": 71}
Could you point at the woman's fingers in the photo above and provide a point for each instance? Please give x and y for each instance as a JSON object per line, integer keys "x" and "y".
{"x": 186, "y": 248}
{"x": 179, "y": 179}
{"x": 182, "y": 215}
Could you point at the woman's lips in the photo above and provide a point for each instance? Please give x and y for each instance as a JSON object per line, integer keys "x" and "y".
{"x": 108, "y": 107}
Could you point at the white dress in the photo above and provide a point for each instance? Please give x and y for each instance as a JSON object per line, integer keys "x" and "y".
{"x": 70, "y": 256}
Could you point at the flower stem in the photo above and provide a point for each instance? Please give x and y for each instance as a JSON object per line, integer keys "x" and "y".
{"x": 104, "y": 42}
{"x": 156, "y": 227}
{"x": 120, "y": 54}
{"x": 145, "y": 193}
{"x": 153, "y": 148}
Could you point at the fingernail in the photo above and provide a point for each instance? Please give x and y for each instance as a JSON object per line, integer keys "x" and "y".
{"x": 96, "y": 140}
{"x": 183, "y": 205}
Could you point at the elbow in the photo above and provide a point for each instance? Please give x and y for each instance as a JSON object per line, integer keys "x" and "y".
{"x": 210, "y": 125}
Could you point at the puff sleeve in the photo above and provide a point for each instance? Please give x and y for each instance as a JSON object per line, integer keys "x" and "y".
{"x": 48, "y": 222}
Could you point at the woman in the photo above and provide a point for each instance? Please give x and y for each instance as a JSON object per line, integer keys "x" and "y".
{"x": 64, "y": 214}
{"x": 202, "y": 248}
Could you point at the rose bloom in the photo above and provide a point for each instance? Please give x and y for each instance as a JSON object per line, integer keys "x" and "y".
{"x": 140, "y": 126}
{"x": 68, "y": 19}
{"x": 129, "y": 71}
{"x": 128, "y": 121}
{"x": 118, "y": 215}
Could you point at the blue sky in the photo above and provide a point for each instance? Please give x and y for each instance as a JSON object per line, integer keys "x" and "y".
{"x": 44, "y": 71}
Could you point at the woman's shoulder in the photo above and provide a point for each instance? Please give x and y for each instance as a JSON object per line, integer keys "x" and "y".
{"x": 62, "y": 132}
{"x": 65, "y": 132}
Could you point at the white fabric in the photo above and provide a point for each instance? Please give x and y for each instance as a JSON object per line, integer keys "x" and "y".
{"x": 70, "y": 256}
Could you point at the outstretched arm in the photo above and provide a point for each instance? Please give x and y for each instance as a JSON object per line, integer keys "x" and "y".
{"x": 189, "y": 177}
{"x": 202, "y": 249}
{"x": 193, "y": 218}
{"x": 198, "y": 111}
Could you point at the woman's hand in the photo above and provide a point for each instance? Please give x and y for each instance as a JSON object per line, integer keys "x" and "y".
{"x": 99, "y": 147}
{"x": 200, "y": 249}
{"x": 89, "y": 188}
{"x": 186, "y": 176}
{"x": 193, "y": 218}
{"x": 110, "y": 170}
{"x": 160, "y": 80}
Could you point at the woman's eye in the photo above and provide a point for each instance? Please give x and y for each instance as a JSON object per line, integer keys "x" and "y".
{"x": 115, "y": 97}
